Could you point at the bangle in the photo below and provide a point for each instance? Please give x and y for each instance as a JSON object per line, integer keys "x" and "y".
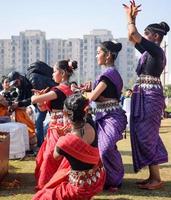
{"x": 85, "y": 95}
{"x": 129, "y": 23}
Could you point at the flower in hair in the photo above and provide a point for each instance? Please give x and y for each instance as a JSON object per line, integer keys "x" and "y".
{"x": 70, "y": 64}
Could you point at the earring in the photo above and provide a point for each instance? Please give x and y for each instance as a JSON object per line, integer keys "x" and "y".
{"x": 62, "y": 76}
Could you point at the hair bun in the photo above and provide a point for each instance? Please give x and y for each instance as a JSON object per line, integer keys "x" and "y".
{"x": 118, "y": 46}
{"x": 76, "y": 104}
{"x": 72, "y": 64}
{"x": 165, "y": 27}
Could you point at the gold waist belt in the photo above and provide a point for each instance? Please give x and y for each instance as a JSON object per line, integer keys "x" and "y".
{"x": 86, "y": 177}
{"x": 148, "y": 80}
{"x": 107, "y": 105}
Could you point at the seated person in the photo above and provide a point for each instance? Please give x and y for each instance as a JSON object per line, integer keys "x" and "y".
{"x": 85, "y": 176}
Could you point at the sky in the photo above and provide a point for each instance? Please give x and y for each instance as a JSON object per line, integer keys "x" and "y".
{"x": 74, "y": 18}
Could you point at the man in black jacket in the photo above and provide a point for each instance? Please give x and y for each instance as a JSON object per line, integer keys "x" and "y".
{"x": 21, "y": 102}
{"x": 39, "y": 75}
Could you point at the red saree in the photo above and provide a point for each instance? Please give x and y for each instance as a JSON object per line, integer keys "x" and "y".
{"x": 46, "y": 165}
{"x": 68, "y": 184}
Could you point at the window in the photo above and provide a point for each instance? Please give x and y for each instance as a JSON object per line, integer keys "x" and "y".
{"x": 37, "y": 41}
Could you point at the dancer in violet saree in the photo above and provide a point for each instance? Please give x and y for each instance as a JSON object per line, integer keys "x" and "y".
{"x": 85, "y": 176}
{"x": 53, "y": 100}
{"x": 110, "y": 118}
{"x": 147, "y": 99}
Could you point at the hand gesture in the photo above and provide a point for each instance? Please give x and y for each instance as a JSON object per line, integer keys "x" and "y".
{"x": 39, "y": 92}
{"x": 87, "y": 87}
{"x": 132, "y": 10}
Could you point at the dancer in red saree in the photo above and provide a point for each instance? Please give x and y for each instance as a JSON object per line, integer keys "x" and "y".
{"x": 85, "y": 176}
{"x": 53, "y": 101}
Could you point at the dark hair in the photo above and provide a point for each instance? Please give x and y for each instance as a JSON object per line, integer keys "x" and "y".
{"x": 130, "y": 90}
{"x": 109, "y": 46}
{"x": 75, "y": 106}
{"x": 12, "y": 76}
{"x": 161, "y": 28}
{"x": 68, "y": 66}
{"x": 3, "y": 79}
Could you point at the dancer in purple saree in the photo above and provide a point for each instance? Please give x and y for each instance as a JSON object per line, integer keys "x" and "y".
{"x": 147, "y": 100}
{"x": 110, "y": 118}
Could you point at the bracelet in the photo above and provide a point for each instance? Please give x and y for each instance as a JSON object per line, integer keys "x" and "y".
{"x": 129, "y": 23}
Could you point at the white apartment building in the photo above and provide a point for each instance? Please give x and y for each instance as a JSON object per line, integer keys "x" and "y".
{"x": 126, "y": 62}
{"x": 166, "y": 75}
{"x": 75, "y": 52}
{"x": 90, "y": 43}
{"x": 5, "y": 56}
{"x": 16, "y": 54}
{"x": 20, "y": 51}
{"x": 58, "y": 49}
{"x": 55, "y": 50}
{"x": 31, "y": 45}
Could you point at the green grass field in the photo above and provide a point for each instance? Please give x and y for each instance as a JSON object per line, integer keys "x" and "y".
{"x": 23, "y": 172}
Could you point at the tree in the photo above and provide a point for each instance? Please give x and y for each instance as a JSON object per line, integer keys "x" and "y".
{"x": 167, "y": 91}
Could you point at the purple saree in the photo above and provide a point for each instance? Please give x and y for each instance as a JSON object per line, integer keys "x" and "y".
{"x": 146, "y": 110}
{"x": 110, "y": 125}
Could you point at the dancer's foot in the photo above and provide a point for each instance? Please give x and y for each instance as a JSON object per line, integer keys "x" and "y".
{"x": 142, "y": 182}
{"x": 113, "y": 189}
{"x": 153, "y": 185}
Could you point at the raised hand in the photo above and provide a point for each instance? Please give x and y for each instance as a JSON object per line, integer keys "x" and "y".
{"x": 132, "y": 10}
